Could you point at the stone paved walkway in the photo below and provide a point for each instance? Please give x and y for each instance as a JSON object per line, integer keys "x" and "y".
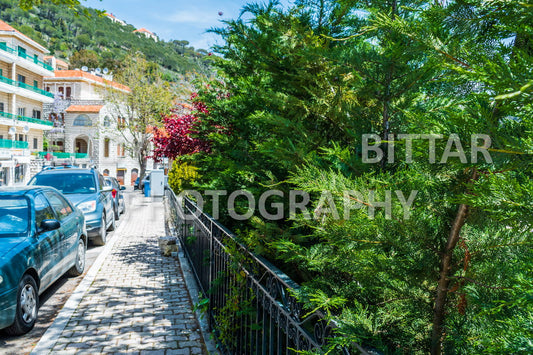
{"x": 138, "y": 302}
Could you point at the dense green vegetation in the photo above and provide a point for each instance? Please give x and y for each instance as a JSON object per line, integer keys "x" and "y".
{"x": 297, "y": 91}
{"x": 85, "y": 37}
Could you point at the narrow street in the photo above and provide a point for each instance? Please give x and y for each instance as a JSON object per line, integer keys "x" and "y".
{"x": 132, "y": 300}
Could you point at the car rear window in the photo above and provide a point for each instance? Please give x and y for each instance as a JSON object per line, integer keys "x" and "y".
{"x": 72, "y": 183}
{"x": 14, "y": 216}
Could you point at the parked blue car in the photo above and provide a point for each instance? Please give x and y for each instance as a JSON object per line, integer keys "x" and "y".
{"x": 87, "y": 190}
{"x": 42, "y": 237}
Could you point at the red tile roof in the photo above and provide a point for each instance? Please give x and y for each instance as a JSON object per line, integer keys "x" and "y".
{"x": 144, "y": 30}
{"x": 83, "y": 74}
{"x": 84, "y": 108}
{"x": 5, "y": 27}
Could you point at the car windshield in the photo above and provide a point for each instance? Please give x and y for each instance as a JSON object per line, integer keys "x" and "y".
{"x": 14, "y": 216}
{"x": 73, "y": 183}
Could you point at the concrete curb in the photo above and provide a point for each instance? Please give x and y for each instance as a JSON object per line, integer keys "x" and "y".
{"x": 49, "y": 339}
{"x": 192, "y": 287}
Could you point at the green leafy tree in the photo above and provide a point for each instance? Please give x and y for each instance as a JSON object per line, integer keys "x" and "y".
{"x": 298, "y": 90}
{"x": 139, "y": 107}
{"x": 84, "y": 57}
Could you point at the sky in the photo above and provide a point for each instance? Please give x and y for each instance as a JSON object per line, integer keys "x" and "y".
{"x": 175, "y": 19}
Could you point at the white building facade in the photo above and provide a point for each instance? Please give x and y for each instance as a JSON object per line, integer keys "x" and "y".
{"x": 22, "y": 122}
{"x": 85, "y": 129}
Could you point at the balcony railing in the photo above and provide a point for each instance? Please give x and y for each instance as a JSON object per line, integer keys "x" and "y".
{"x": 25, "y": 119}
{"x": 34, "y": 120}
{"x": 4, "y": 47}
{"x": 8, "y": 143}
{"x": 8, "y": 115}
{"x": 35, "y": 89}
{"x": 64, "y": 155}
{"x": 3, "y": 79}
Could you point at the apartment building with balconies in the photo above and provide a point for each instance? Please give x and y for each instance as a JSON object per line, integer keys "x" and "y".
{"x": 85, "y": 127}
{"x": 22, "y": 123}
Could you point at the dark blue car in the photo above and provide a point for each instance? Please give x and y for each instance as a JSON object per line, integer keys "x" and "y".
{"x": 42, "y": 237}
{"x": 86, "y": 189}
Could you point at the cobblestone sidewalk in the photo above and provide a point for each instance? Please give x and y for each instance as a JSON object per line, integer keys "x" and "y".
{"x": 138, "y": 302}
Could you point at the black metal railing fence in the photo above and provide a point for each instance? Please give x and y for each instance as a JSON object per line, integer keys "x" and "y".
{"x": 251, "y": 305}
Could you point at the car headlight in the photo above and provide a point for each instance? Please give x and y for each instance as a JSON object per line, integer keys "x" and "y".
{"x": 87, "y": 207}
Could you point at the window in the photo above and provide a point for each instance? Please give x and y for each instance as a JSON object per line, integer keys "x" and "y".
{"x": 61, "y": 90}
{"x": 22, "y": 51}
{"x": 3, "y": 45}
{"x": 14, "y": 216}
{"x": 107, "y": 121}
{"x": 2, "y": 107}
{"x": 121, "y": 148}
{"x": 69, "y": 91}
{"x": 106, "y": 147}
{"x": 35, "y": 83}
{"x": 21, "y": 137}
{"x": 1, "y": 72}
{"x": 35, "y": 143}
{"x": 21, "y": 78}
{"x": 48, "y": 88}
{"x": 21, "y": 111}
{"x": 83, "y": 120}
{"x": 42, "y": 210}
{"x": 121, "y": 122}
{"x": 36, "y": 58}
{"x": 59, "y": 204}
{"x": 36, "y": 114}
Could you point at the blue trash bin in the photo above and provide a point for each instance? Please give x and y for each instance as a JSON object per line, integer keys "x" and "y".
{"x": 147, "y": 188}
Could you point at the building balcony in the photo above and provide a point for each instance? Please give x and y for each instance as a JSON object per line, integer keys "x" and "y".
{"x": 10, "y": 144}
{"x": 34, "y": 89}
{"x": 26, "y": 119}
{"x": 32, "y": 92}
{"x": 63, "y": 155}
{"x": 26, "y": 60}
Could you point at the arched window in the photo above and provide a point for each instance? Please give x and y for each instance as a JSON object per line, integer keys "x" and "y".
{"x": 82, "y": 120}
{"x": 107, "y": 121}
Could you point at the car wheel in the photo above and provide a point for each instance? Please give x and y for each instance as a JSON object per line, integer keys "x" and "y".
{"x": 113, "y": 225}
{"x": 115, "y": 211}
{"x": 79, "y": 266}
{"x": 123, "y": 207}
{"x": 102, "y": 235}
{"x": 27, "y": 307}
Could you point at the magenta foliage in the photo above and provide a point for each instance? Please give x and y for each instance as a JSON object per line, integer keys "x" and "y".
{"x": 175, "y": 138}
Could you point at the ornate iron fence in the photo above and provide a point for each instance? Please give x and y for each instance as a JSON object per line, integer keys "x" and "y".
{"x": 250, "y": 305}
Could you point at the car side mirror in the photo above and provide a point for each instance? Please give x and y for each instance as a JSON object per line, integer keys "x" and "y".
{"x": 122, "y": 188}
{"x": 49, "y": 225}
{"x": 107, "y": 189}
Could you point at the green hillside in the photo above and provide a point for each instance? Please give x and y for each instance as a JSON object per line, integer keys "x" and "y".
{"x": 96, "y": 41}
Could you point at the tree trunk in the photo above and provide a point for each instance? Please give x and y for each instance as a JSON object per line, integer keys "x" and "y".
{"x": 444, "y": 280}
